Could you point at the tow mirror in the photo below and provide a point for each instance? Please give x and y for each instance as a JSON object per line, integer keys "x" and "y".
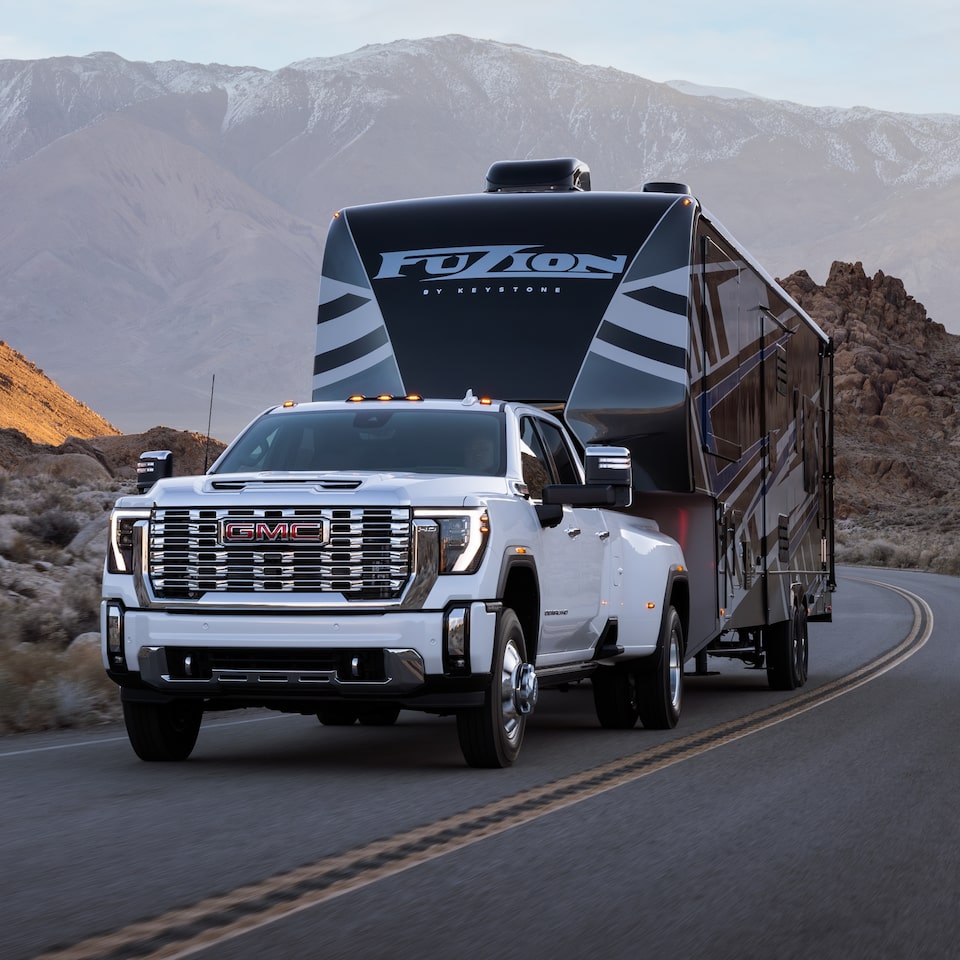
{"x": 153, "y": 465}
{"x": 609, "y": 473}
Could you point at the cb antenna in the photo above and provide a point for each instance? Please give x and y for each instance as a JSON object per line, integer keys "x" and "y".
{"x": 206, "y": 449}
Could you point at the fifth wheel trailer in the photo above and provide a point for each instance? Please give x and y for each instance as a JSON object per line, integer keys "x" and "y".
{"x": 637, "y": 318}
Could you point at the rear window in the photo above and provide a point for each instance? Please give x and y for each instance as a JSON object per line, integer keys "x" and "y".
{"x": 371, "y": 438}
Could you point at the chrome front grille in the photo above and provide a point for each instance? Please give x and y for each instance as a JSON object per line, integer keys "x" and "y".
{"x": 365, "y": 553}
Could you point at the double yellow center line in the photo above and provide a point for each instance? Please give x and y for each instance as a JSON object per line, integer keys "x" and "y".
{"x": 189, "y": 930}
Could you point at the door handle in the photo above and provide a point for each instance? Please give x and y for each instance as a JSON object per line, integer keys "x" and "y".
{"x": 572, "y": 531}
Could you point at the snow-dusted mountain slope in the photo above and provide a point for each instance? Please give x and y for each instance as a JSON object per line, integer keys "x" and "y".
{"x": 164, "y": 222}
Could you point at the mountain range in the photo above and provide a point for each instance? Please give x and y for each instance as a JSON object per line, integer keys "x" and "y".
{"x": 164, "y": 222}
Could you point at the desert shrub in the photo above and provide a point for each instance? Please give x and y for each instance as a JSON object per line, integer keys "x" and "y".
{"x": 22, "y": 550}
{"x": 42, "y": 689}
{"x": 53, "y": 526}
{"x": 38, "y": 624}
{"x": 81, "y": 602}
{"x": 13, "y": 584}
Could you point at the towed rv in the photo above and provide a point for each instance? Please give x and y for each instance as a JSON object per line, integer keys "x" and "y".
{"x": 653, "y": 485}
{"x": 638, "y": 319}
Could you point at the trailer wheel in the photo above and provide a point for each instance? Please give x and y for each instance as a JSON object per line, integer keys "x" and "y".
{"x": 788, "y": 651}
{"x": 163, "y": 731}
{"x": 660, "y": 680}
{"x": 615, "y": 696}
{"x": 491, "y": 735}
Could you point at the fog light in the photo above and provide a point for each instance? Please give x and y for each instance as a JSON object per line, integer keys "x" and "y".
{"x": 114, "y": 628}
{"x": 456, "y": 634}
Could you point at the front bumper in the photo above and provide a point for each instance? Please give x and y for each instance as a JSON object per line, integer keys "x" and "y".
{"x": 300, "y": 656}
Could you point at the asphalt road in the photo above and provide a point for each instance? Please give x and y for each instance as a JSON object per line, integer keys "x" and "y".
{"x": 823, "y": 825}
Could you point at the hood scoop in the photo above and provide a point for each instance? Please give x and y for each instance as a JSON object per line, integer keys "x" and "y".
{"x": 323, "y": 483}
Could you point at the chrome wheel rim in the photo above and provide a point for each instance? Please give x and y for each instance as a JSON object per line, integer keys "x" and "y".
{"x": 675, "y": 670}
{"x": 510, "y": 716}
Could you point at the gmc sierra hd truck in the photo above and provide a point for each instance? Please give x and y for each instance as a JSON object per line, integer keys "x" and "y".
{"x": 353, "y": 558}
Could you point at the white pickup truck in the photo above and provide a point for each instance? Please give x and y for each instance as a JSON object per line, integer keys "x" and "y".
{"x": 349, "y": 559}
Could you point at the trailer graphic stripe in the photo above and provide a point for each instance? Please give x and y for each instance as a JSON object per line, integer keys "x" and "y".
{"x": 642, "y": 346}
{"x": 339, "y": 306}
{"x": 661, "y": 299}
{"x": 189, "y": 930}
{"x": 351, "y": 351}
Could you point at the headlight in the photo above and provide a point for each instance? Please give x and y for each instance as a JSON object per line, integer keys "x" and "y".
{"x": 463, "y": 538}
{"x": 120, "y": 549}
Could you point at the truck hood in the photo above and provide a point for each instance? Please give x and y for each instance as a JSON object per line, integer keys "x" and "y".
{"x": 306, "y": 489}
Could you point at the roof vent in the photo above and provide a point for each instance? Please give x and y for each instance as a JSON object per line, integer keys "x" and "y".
{"x": 538, "y": 176}
{"x": 666, "y": 186}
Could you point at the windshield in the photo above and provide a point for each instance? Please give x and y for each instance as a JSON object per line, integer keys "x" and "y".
{"x": 416, "y": 440}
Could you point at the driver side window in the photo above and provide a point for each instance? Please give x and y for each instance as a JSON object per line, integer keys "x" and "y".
{"x": 535, "y": 463}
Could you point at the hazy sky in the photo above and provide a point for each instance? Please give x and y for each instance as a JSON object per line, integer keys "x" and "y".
{"x": 902, "y": 56}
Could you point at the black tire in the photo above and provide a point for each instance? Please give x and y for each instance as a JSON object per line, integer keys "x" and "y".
{"x": 615, "y": 697}
{"x": 660, "y": 678}
{"x": 338, "y": 714}
{"x": 378, "y": 715}
{"x": 491, "y": 735}
{"x": 163, "y": 731}
{"x": 788, "y": 651}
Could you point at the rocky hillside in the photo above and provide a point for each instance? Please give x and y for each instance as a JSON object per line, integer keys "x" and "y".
{"x": 36, "y": 406}
{"x": 897, "y": 395}
{"x": 897, "y": 403}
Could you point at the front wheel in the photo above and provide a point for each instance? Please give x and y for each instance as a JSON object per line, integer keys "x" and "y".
{"x": 660, "y": 678}
{"x": 163, "y": 731}
{"x": 491, "y": 735}
{"x": 338, "y": 714}
{"x": 378, "y": 715}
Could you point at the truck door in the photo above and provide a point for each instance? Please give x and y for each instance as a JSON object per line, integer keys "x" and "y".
{"x": 571, "y": 560}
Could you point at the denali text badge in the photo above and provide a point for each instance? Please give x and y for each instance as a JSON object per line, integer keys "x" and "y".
{"x": 501, "y": 262}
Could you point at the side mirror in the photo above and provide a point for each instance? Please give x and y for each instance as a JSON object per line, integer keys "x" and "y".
{"x": 153, "y": 465}
{"x": 609, "y": 473}
{"x": 549, "y": 514}
{"x": 613, "y": 466}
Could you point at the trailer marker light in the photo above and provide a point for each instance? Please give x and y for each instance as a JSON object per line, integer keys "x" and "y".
{"x": 651, "y": 605}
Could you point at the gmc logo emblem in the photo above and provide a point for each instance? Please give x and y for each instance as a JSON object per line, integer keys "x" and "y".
{"x": 274, "y": 531}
